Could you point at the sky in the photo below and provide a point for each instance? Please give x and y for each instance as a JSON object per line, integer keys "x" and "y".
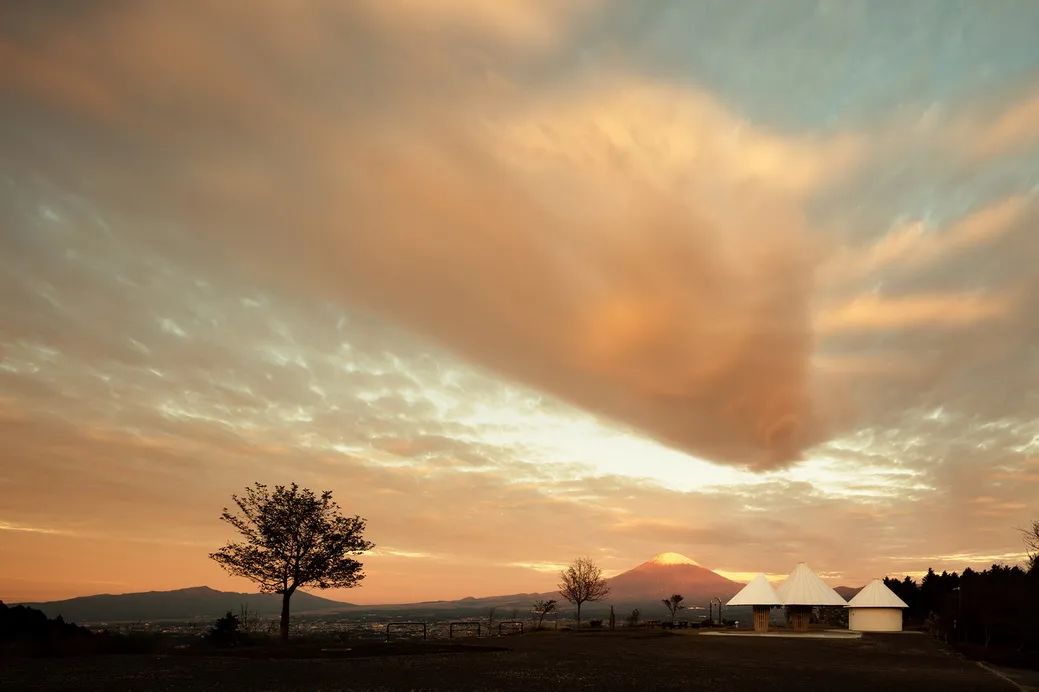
{"x": 753, "y": 282}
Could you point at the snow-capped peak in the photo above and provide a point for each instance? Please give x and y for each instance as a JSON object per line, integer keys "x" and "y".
{"x": 673, "y": 559}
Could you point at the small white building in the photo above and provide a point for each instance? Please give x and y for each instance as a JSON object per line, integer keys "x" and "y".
{"x": 759, "y": 594}
{"x": 875, "y": 609}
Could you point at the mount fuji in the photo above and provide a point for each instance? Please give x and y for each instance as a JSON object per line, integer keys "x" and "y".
{"x": 670, "y": 573}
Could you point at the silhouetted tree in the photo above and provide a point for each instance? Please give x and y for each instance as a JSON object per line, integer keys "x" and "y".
{"x": 997, "y": 607}
{"x": 673, "y": 605}
{"x": 542, "y": 608}
{"x": 293, "y": 538}
{"x": 1030, "y": 536}
{"x": 582, "y": 582}
{"x": 225, "y": 630}
{"x": 29, "y": 624}
{"x": 908, "y": 591}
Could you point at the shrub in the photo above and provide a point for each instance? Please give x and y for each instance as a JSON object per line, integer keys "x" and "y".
{"x": 225, "y": 630}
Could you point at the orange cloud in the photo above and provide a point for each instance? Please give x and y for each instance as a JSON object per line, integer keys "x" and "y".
{"x": 534, "y": 25}
{"x": 953, "y": 311}
{"x": 912, "y": 246}
{"x": 1015, "y": 129}
{"x": 635, "y": 249}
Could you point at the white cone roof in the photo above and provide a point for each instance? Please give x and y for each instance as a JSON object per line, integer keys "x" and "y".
{"x": 876, "y": 595}
{"x": 757, "y": 592}
{"x": 804, "y": 587}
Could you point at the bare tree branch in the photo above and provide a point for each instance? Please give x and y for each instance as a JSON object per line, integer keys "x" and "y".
{"x": 582, "y": 582}
{"x": 1030, "y": 536}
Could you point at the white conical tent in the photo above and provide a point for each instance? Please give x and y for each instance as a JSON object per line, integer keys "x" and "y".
{"x": 757, "y": 592}
{"x": 876, "y": 595}
{"x": 875, "y": 609}
{"x": 803, "y": 587}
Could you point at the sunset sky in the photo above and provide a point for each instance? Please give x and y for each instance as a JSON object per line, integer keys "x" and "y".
{"x": 753, "y": 282}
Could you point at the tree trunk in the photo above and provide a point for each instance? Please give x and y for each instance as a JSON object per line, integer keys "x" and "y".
{"x": 578, "y": 615}
{"x": 285, "y": 615}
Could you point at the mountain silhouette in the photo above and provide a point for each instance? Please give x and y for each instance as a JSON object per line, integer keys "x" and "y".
{"x": 641, "y": 587}
{"x": 848, "y": 592}
{"x": 198, "y": 602}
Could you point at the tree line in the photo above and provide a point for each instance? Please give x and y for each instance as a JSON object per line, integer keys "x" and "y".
{"x": 997, "y": 606}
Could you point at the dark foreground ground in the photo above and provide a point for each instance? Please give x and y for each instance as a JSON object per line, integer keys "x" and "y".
{"x": 538, "y": 662}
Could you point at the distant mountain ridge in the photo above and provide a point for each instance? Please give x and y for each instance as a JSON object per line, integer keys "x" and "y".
{"x": 848, "y": 592}
{"x": 641, "y": 587}
{"x": 647, "y": 583}
{"x": 199, "y": 602}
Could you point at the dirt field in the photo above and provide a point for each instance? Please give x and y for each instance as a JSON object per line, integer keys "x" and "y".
{"x": 540, "y": 662}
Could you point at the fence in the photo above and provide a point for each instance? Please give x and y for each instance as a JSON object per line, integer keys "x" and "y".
{"x": 447, "y": 629}
{"x": 511, "y": 623}
{"x": 469, "y": 625}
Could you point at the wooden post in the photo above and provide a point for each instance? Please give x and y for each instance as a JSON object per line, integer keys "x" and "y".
{"x": 761, "y": 613}
{"x": 799, "y": 617}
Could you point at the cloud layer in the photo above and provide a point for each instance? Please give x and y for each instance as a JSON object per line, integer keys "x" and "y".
{"x": 634, "y": 248}
{"x": 473, "y": 243}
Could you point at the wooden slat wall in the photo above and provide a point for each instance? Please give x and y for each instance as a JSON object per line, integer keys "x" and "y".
{"x": 761, "y": 618}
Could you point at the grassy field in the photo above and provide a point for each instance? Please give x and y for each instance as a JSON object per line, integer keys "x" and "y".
{"x": 535, "y": 661}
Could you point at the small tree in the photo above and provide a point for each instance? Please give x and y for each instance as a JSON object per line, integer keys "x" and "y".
{"x": 673, "y": 605}
{"x": 1030, "y": 536}
{"x": 225, "y": 630}
{"x": 293, "y": 538}
{"x": 542, "y": 608}
{"x": 582, "y": 582}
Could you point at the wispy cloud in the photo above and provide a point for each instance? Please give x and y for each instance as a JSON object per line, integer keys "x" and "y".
{"x": 7, "y": 526}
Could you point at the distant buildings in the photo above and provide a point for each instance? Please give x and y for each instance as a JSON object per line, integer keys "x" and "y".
{"x": 874, "y": 609}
